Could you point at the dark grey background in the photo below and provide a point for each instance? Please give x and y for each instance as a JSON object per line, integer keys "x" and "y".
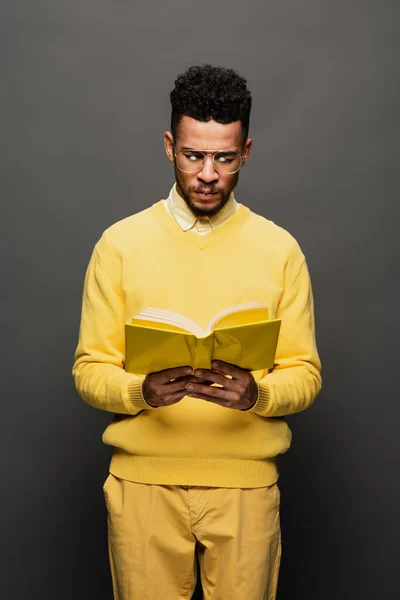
{"x": 84, "y": 104}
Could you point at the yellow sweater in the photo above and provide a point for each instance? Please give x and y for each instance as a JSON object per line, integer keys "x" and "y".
{"x": 148, "y": 260}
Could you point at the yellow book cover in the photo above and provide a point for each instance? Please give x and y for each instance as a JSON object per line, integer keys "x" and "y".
{"x": 158, "y": 339}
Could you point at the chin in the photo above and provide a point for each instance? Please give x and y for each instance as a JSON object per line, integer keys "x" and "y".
{"x": 200, "y": 207}
{"x": 205, "y": 203}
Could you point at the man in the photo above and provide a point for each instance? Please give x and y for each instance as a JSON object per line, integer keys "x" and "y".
{"x": 194, "y": 468}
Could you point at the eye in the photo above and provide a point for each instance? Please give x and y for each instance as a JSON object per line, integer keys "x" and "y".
{"x": 224, "y": 159}
{"x": 193, "y": 156}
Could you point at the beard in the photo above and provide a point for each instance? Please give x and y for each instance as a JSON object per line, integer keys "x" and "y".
{"x": 203, "y": 212}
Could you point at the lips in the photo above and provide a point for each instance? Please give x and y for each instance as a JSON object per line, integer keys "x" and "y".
{"x": 206, "y": 195}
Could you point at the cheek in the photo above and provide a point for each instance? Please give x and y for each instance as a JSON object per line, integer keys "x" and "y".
{"x": 229, "y": 182}
{"x": 185, "y": 180}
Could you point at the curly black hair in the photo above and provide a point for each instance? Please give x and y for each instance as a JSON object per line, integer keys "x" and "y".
{"x": 206, "y": 92}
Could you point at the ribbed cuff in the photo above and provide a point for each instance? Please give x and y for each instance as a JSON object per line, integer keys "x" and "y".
{"x": 135, "y": 394}
{"x": 263, "y": 400}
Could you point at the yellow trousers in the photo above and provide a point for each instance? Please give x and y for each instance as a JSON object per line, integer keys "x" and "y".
{"x": 156, "y": 531}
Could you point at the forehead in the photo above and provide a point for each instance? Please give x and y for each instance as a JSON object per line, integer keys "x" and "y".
{"x": 210, "y": 135}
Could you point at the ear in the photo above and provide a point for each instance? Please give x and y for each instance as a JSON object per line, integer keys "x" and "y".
{"x": 169, "y": 145}
{"x": 246, "y": 150}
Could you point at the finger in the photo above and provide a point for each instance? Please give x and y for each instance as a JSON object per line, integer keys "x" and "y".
{"x": 168, "y": 374}
{"x": 212, "y": 392}
{"x": 206, "y": 382}
{"x": 215, "y": 378}
{"x": 175, "y": 386}
{"x": 228, "y": 369}
{"x": 187, "y": 379}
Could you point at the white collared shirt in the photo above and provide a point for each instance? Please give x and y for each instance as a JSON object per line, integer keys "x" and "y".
{"x": 180, "y": 211}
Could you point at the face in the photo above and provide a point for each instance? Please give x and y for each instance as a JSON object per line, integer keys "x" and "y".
{"x": 207, "y": 191}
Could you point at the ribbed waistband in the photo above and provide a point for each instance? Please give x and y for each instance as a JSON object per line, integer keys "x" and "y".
{"x": 213, "y": 472}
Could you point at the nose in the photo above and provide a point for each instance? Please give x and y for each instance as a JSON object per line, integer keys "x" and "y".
{"x": 208, "y": 173}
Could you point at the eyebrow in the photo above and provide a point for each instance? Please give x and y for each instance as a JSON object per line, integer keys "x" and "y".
{"x": 209, "y": 152}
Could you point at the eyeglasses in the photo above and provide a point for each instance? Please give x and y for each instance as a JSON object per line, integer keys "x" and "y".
{"x": 193, "y": 161}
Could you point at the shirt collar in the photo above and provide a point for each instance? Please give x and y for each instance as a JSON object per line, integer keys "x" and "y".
{"x": 187, "y": 219}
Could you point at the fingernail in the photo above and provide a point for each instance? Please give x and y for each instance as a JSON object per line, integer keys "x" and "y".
{"x": 189, "y": 387}
{"x": 197, "y": 373}
{"x": 214, "y": 364}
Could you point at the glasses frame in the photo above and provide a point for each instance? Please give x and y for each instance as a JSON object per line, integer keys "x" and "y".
{"x": 205, "y": 154}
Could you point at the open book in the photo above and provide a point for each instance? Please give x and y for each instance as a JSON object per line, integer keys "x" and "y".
{"x": 158, "y": 339}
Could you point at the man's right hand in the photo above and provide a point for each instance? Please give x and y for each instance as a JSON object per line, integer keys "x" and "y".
{"x": 167, "y": 387}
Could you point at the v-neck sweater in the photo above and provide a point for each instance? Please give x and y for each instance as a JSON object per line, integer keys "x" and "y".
{"x": 146, "y": 260}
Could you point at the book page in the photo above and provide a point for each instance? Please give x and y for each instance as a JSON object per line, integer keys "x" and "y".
{"x": 161, "y": 315}
{"x": 235, "y": 309}
{"x": 157, "y": 325}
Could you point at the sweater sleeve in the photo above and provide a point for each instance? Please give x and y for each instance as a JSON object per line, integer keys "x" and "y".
{"x": 98, "y": 370}
{"x": 295, "y": 380}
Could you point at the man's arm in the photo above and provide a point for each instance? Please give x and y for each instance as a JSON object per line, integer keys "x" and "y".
{"x": 98, "y": 371}
{"x": 295, "y": 381}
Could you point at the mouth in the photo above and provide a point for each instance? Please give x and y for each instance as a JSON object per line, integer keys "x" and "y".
{"x": 206, "y": 195}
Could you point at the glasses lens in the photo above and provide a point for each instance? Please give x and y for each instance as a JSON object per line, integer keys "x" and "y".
{"x": 227, "y": 162}
{"x": 191, "y": 161}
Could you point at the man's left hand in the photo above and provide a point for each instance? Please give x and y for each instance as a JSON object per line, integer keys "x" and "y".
{"x": 240, "y": 392}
